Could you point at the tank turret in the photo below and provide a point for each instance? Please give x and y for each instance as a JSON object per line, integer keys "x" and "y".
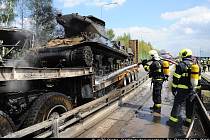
{"x": 75, "y": 24}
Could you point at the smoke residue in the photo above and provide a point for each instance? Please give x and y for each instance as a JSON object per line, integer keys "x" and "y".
{"x": 17, "y": 44}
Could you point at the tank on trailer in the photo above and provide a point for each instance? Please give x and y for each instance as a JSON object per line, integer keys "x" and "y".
{"x": 85, "y": 44}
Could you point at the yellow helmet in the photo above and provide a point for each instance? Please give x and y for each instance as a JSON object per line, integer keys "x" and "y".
{"x": 185, "y": 53}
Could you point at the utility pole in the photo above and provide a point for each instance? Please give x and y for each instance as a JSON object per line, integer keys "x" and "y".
{"x": 200, "y": 52}
{"x": 22, "y": 14}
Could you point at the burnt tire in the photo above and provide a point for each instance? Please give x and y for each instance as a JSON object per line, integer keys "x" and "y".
{"x": 6, "y": 124}
{"x": 82, "y": 57}
{"x": 44, "y": 105}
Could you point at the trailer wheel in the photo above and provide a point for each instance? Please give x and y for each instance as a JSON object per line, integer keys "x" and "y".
{"x": 124, "y": 82}
{"x": 132, "y": 76}
{"x": 136, "y": 76}
{"x": 48, "y": 106}
{"x": 6, "y": 124}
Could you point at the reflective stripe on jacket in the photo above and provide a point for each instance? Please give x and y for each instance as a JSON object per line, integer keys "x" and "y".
{"x": 181, "y": 77}
{"x": 155, "y": 70}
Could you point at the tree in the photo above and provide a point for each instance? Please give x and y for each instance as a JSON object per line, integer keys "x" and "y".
{"x": 43, "y": 15}
{"x": 144, "y": 49}
{"x": 7, "y": 11}
{"x": 124, "y": 39}
{"x": 110, "y": 34}
{"x": 23, "y": 12}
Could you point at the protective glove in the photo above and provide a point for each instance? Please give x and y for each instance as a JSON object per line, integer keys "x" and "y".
{"x": 144, "y": 62}
{"x": 174, "y": 91}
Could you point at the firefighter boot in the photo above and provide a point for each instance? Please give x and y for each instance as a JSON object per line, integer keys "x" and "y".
{"x": 152, "y": 107}
{"x": 173, "y": 122}
{"x": 157, "y": 110}
{"x": 187, "y": 122}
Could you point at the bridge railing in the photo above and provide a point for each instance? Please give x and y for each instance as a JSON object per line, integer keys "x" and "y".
{"x": 202, "y": 115}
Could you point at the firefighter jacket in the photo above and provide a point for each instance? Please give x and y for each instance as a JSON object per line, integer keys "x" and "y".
{"x": 155, "y": 70}
{"x": 208, "y": 62}
{"x": 181, "y": 76}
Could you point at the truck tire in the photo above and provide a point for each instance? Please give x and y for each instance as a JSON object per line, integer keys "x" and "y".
{"x": 48, "y": 106}
{"x": 6, "y": 124}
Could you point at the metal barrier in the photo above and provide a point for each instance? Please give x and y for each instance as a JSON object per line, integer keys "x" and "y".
{"x": 203, "y": 116}
{"x": 53, "y": 126}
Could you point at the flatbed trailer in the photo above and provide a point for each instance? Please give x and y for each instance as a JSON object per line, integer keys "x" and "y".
{"x": 31, "y": 95}
{"x": 28, "y": 73}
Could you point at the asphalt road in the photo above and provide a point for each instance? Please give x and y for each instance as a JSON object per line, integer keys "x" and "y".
{"x": 134, "y": 119}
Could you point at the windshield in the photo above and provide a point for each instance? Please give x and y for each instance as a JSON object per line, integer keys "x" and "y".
{"x": 13, "y": 42}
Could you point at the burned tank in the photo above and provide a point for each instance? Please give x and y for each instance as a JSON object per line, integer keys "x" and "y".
{"x": 85, "y": 44}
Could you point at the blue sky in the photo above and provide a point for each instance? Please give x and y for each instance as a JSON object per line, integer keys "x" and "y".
{"x": 167, "y": 24}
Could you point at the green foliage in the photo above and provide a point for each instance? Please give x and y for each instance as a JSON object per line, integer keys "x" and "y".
{"x": 144, "y": 49}
{"x": 110, "y": 34}
{"x": 124, "y": 39}
{"x": 7, "y": 13}
{"x": 43, "y": 15}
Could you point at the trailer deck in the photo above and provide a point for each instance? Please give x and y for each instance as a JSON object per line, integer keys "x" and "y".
{"x": 28, "y": 73}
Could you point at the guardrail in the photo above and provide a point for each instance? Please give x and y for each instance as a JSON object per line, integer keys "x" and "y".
{"x": 205, "y": 81}
{"x": 200, "y": 111}
{"x": 54, "y": 126}
{"x": 203, "y": 116}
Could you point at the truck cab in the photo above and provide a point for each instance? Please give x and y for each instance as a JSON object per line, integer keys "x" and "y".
{"x": 14, "y": 43}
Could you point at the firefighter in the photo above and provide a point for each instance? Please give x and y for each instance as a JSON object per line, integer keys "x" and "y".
{"x": 182, "y": 89}
{"x": 208, "y": 64}
{"x": 157, "y": 75}
{"x": 204, "y": 66}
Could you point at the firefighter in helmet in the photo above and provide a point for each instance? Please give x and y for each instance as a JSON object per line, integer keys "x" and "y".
{"x": 204, "y": 65}
{"x": 182, "y": 88}
{"x": 157, "y": 75}
{"x": 208, "y": 64}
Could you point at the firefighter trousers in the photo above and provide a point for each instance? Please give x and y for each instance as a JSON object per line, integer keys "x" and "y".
{"x": 182, "y": 96}
{"x": 156, "y": 95}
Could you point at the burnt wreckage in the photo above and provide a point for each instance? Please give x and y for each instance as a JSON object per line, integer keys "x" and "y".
{"x": 37, "y": 83}
{"x": 85, "y": 44}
